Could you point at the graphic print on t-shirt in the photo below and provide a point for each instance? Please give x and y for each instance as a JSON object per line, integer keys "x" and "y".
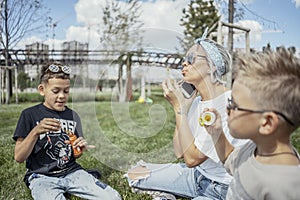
{"x": 54, "y": 143}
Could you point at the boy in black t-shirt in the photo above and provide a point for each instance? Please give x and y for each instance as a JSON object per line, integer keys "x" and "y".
{"x": 42, "y": 139}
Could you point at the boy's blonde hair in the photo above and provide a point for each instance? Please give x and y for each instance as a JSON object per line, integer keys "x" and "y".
{"x": 274, "y": 81}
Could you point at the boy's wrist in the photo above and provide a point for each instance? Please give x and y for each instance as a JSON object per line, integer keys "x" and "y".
{"x": 35, "y": 132}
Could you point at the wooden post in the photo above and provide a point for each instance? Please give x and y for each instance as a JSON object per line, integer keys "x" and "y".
{"x": 247, "y": 42}
{"x": 16, "y": 85}
{"x": 129, "y": 95}
{"x": 1, "y": 85}
{"x": 220, "y": 36}
{"x": 3, "y": 70}
{"x": 230, "y": 28}
{"x": 247, "y": 30}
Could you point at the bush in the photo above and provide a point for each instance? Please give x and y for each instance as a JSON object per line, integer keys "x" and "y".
{"x": 35, "y": 97}
{"x": 24, "y": 97}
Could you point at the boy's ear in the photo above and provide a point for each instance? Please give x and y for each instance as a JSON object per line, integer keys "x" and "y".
{"x": 269, "y": 123}
{"x": 41, "y": 89}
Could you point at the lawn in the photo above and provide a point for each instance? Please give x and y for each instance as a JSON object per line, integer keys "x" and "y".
{"x": 123, "y": 134}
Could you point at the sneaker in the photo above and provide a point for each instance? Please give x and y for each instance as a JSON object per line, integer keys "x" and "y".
{"x": 156, "y": 195}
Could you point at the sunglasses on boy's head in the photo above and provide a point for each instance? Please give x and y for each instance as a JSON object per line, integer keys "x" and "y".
{"x": 233, "y": 106}
{"x": 56, "y": 68}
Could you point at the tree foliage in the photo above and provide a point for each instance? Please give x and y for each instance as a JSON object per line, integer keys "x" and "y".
{"x": 121, "y": 25}
{"x": 122, "y": 32}
{"x": 198, "y": 15}
{"x": 23, "y": 81}
{"x": 19, "y": 18}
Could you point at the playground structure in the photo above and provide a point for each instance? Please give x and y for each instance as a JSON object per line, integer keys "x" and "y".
{"x": 84, "y": 57}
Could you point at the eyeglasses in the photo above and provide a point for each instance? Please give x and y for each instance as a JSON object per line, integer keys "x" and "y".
{"x": 56, "y": 68}
{"x": 191, "y": 58}
{"x": 232, "y": 106}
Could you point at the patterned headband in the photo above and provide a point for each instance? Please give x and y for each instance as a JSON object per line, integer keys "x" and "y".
{"x": 213, "y": 52}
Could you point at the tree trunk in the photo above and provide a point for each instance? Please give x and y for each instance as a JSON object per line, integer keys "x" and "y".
{"x": 7, "y": 74}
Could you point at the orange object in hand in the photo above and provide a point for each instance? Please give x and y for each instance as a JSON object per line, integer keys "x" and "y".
{"x": 76, "y": 150}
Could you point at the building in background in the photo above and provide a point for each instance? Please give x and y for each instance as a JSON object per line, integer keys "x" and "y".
{"x": 39, "y": 53}
{"x": 75, "y": 54}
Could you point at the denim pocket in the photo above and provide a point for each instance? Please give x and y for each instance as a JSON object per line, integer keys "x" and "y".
{"x": 220, "y": 190}
{"x": 31, "y": 177}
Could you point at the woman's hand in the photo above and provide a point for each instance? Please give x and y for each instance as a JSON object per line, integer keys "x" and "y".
{"x": 173, "y": 94}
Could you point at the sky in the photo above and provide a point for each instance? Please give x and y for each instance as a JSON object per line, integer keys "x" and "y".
{"x": 276, "y": 22}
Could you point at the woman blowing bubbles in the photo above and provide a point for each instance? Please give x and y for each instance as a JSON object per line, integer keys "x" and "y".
{"x": 202, "y": 175}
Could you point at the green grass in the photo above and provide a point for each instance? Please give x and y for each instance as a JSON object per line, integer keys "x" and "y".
{"x": 123, "y": 133}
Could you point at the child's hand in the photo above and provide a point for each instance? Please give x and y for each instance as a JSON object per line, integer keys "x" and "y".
{"x": 47, "y": 125}
{"x": 82, "y": 143}
{"x": 215, "y": 128}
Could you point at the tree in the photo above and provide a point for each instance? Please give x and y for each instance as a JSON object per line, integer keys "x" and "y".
{"x": 121, "y": 25}
{"x": 122, "y": 32}
{"x": 18, "y": 18}
{"x": 23, "y": 80}
{"x": 198, "y": 15}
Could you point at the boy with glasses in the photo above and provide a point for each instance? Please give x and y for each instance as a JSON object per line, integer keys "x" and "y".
{"x": 264, "y": 107}
{"x": 43, "y": 139}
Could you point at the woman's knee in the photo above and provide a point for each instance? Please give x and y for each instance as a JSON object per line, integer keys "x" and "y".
{"x": 139, "y": 172}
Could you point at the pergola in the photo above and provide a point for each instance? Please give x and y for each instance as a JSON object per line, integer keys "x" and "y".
{"x": 33, "y": 57}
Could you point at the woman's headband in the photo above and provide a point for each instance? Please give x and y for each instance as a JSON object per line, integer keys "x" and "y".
{"x": 213, "y": 52}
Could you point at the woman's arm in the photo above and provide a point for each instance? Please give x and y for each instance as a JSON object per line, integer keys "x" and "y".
{"x": 183, "y": 139}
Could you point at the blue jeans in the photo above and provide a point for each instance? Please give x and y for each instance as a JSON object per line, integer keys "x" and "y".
{"x": 209, "y": 188}
{"x": 79, "y": 183}
{"x": 179, "y": 180}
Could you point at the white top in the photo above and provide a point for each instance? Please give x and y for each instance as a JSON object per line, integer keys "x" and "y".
{"x": 212, "y": 168}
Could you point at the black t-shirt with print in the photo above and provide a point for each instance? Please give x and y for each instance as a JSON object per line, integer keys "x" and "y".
{"x": 50, "y": 156}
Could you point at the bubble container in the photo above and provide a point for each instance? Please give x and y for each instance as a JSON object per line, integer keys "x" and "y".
{"x": 207, "y": 118}
{"x": 76, "y": 151}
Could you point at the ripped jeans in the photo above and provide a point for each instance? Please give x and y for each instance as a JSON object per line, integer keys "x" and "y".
{"x": 79, "y": 183}
{"x": 180, "y": 180}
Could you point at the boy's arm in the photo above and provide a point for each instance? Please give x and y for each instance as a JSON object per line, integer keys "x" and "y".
{"x": 222, "y": 145}
{"x": 24, "y": 146}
